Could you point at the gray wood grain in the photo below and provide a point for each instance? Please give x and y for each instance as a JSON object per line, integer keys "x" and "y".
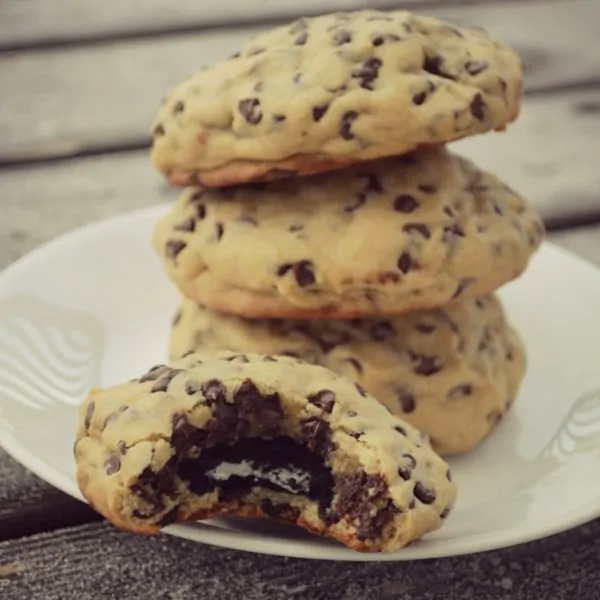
{"x": 44, "y": 22}
{"x": 97, "y": 562}
{"x": 108, "y": 94}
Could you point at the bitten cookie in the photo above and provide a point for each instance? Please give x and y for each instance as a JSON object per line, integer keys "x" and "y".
{"x": 327, "y": 92}
{"x": 386, "y": 237}
{"x": 450, "y": 372}
{"x": 254, "y": 435}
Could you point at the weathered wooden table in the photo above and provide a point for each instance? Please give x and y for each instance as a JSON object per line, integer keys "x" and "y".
{"x": 79, "y": 83}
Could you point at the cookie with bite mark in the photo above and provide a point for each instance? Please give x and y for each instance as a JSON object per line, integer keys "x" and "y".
{"x": 261, "y": 436}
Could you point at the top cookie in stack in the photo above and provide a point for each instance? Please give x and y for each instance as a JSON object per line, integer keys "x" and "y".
{"x": 328, "y": 92}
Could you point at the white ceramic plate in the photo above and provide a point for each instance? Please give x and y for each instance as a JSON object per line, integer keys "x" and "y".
{"x": 94, "y": 307}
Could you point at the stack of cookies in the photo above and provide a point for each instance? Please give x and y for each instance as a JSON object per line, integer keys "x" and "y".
{"x": 325, "y": 219}
{"x": 325, "y": 222}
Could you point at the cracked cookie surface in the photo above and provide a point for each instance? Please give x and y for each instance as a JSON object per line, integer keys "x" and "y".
{"x": 326, "y": 92}
{"x": 386, "y": 237}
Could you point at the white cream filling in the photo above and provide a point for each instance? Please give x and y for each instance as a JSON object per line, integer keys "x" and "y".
{"x": 290, "y": 479}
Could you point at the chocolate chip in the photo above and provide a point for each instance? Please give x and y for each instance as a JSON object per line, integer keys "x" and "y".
{"x": 406, "y": 203}
{"x": 317, "y": 434}
{"x": 463, "y": 284}
{"x": 122, "y": 446}
{"x": 238, "y": 358}
{"x": 433, "y": 65}
{"x": 477, "y": 107}
{"x": 219, "y": 230}
{"x": 356, "y": 364}
{"x": 424, "y": 494}
{"x": 162, "y": 384}
{"x": 373, "y": 183}
{"x": 213, "y": 390}
{"x": 368, "y": 72}
{"x": 411, "y": 504}
{"x": 451, "y": 231}
{"x": 419, "y": 98}
{"x": 420, "y": 228}
{"x": 474, "y": 67}
{"x": 301, "y": 39}
{"x": 283, "y": 269}
{"x": 406, "y": 470}
{"x": 379, "y": 40}
{"x": 407, "y": 401}
{"x": 154, "y": 373}
{"x": 303, "y": 271}
{"x": 355, "y": 434}
{"x": 89, "y": 413}
{"x": 459, "y": 391}
{"x": 112, "y": 464}
{"x": 381, "y": 331}
{"x": 200, "y": 211}
{"x": 158, "y": 130}
{"x": 425, "y": 328}
{"x": 319, "y": 111}
{"x": 341, "y": 36}
{"x": 192, "y": 387}
{"x": 346, "y": 122}
{"x": 325, "y": 400}
{"x": 188, "y": 224}
{"x": 405, "y": 262}
{"x": 179, "y": 107}
{"x": 279, "y": 118}
{"x": 173, "y": 248}
{"x": 400, "y": 430}
{"x": 445, "y": 512}
{"x": 250, "y": 110}
{"x": 184, "y": 436}
{"x": 427, "y": 365}
{"x": 361, "y": 390}
{"x": 262, "y": 412}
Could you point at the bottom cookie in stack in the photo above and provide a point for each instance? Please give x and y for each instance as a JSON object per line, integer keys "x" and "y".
{"x": 260, "y": 436}
{"x": 451, "y": 372}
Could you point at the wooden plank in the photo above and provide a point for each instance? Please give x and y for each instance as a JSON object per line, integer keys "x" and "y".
{"x": 96, "y": 561}
{"x": 65, "y": 101}
{"x": 549, "y": 155}
{"x": 41, "y": 23}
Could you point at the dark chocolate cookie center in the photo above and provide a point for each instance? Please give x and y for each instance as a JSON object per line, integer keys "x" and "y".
{"x": 279, "y": 464}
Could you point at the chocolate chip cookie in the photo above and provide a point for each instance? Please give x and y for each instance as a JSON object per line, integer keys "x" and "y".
{"x": 385, "y": 237}
{"x": 327, "y": 92}
{"x": 452, "y": 372}
{"x": 261, "y": 436}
